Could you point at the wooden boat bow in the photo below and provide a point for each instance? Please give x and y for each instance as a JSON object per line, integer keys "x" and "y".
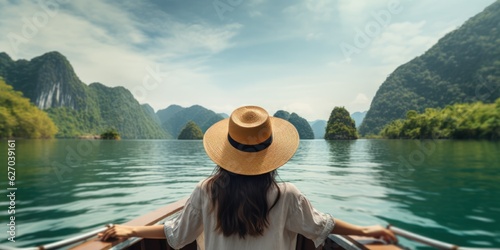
{"x": 89, "y": 240}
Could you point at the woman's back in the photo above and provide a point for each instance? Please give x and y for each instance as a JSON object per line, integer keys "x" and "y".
{"x": 291, "y": 215}
{"x": 241, "y": 206}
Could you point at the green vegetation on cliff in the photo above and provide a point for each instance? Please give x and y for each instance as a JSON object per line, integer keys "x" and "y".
{"x": 463, "y": 67}
{"x": 119, "y": 109}
{"x": 50, "y": 83}
{"x": 458, "y": 121}
{"x": 340, "y": 125}
{"x": 303, "y": 128}
{"x": 191, "y": 132}
{"x": 20, "y": 118}
{"x": 48, "y": 80}
{"x": 151, "y": 112}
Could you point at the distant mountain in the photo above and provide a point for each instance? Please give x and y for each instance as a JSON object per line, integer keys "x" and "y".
{"x": 463, "y": 67}
{"x": 318, "y": 128}
{"x": 151, "y": 112}
{"x": 358, "y": 117}
{"x": 169, "y": 112}
{"x": 301, "y": 124}
{"x": 224, "y": 115}
{"x": 174, "y": 118}
{"x": 50, "y": 83}
{"x": 282, "y": 114}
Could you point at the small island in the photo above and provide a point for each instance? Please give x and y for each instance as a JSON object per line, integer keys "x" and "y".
{"x": 191, "y": 132}
{"x": 110, "y": 134}
{"x": 340, "y": 126}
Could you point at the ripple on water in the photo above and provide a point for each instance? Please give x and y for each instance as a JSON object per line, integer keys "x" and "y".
{"x": 479, "y": 218}
{"x": 451, "y": 196}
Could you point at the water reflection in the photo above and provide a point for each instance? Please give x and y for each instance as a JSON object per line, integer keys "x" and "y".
{"x": 340, "y": 152}
{"x": 451, "y": 193}
{"x": 443, "y": 189}
{"x": 65, "y": 184}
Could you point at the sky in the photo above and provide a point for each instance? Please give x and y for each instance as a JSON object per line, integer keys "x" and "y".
{"x": 302, "y": 56}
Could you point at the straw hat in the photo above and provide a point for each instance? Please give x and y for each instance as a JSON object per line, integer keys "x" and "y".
{"x": 250, "y": 142}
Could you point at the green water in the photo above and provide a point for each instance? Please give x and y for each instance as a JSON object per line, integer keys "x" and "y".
{"x": 448, "y": 190}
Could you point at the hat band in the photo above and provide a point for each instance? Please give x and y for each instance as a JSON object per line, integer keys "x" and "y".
{"x": 250, "y": 148}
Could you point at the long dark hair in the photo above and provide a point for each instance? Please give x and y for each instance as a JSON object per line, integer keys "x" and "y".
{"x": 240, "y": 202}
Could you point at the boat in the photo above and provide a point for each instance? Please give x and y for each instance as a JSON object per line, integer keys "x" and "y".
{"x": 90, "y": 241}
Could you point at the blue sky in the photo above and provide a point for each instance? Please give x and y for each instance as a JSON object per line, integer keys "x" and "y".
{"x": 302, "y": 56}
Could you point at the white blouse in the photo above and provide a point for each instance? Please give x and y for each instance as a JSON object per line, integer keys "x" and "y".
{"x": 293, "y": 214}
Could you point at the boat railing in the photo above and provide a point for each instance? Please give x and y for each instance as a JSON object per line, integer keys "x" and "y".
{"x": 89, "y": 241}
{"x": 431, "y": 242}
{"x": 60, "y": 244}
{"x": 95, "y": 244}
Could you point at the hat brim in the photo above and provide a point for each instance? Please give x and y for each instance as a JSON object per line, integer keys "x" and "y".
{"x": 283, "y": 147}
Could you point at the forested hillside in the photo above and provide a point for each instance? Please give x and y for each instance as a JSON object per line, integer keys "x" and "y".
{"x": 301, "y": 124}
{"x": 51, "y": 84}
{"x": 463, "y": 67}
{"x": 174, "y": 118}
{"x": 151, "y": 112}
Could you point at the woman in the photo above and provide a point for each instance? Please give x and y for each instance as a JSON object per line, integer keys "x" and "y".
{"x": 241, "y": 206}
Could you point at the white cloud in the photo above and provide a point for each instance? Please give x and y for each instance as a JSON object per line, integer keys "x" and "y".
{"x": 198, "y": 38}
{"x": 95, "y": 54}
{"x": 355, "y": 13}
{"x": 299, "y": 108}
{"x": 324, "y": 9}
{"x": 315, "y": 10}
{"x": 255, "y": 13}
{"x": 104, "y": 45}
{"x": 117, "y": 22}
{"x": 314, "y": 36}
{"x": 361, "y": 99}
{"x": 401, "y": 42}
{"x": 255, "y": 2}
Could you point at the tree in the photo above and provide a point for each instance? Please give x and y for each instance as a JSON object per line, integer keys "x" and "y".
{"x": 20, "y": 118}
{"x": 458, "y": 121}
{"x": 392, "y": 130}
{"x": 191, "y": 132}
{"x": 340, "y": 126}
{"x": 110, "y": 134}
